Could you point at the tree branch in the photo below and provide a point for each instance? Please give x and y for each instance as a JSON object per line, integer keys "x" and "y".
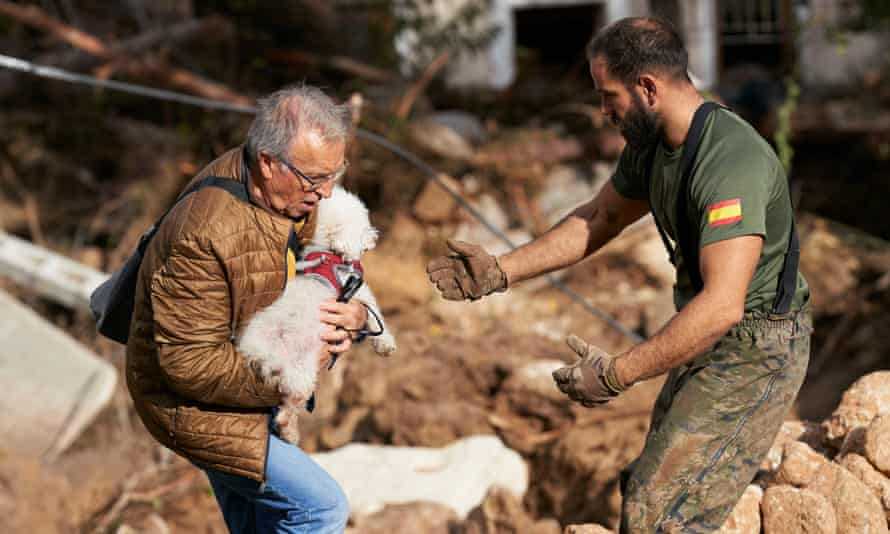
{"x": 174, "y": 76}
{"x": 36, "y": 17}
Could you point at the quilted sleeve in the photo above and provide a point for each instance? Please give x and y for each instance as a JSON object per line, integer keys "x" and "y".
{"x": 191, "y": 302}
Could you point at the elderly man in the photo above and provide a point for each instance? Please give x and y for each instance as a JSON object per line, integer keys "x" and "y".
{"x": 214, "y": 262}
{"x": 738, "y": 348}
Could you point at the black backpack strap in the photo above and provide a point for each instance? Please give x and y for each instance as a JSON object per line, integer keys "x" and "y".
{"x": 236, "y": 188}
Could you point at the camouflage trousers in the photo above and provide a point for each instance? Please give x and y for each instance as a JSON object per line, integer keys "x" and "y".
{"x": 714, "y": 421}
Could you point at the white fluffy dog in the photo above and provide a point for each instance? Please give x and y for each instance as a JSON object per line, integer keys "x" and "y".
{"x": 284, "y": 339}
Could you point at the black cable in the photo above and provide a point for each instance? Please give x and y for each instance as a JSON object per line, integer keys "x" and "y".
{"x": 71, "y": 77}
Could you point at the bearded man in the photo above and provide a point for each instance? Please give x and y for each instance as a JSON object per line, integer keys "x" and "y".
{"x": 736, "y": 352}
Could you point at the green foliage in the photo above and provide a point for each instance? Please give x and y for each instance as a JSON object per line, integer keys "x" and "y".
{"x": 428, "y": 33}
{"x": 782, "y": 136}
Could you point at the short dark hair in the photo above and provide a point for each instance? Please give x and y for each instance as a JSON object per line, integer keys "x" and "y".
{"x": 635, "y": 45}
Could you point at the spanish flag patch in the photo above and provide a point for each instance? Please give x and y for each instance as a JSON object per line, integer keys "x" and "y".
{"x": 725, "y": 212}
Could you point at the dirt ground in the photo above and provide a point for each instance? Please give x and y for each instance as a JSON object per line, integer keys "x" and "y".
{"x": 115, "y": 477}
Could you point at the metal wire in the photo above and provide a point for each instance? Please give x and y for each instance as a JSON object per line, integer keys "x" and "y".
{"x": 71, "y": 77}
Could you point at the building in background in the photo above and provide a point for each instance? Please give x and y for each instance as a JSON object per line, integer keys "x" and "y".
{"x": 727, "y": 39}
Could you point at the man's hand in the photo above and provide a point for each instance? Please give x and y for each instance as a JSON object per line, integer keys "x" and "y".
{"x": 591, "y": 380}
{"x": 467, "y": 273}
{"x": 341, "y": 319}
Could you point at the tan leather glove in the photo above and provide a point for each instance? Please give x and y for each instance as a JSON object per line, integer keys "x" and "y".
{"x": 591, "y": 380}
{"x": 467, "y": 273}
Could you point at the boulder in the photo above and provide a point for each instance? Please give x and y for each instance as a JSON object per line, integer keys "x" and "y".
{"x": 866, "y": 399}
{"x": 877, "y": 443}
{"x": 807, "y": 432}
{"x": 457, "y": 476}
{"x": 562, "y": 191}
{"x": 53, "y": 386}
{"x": 871, "y": 477}
{"x": 501, "y": 512}
{"x": 745, "y": 517}
{"x": 790, "y": 510}
{"x": 426, "y": 517}
{"x": 857, "y": 509}
{"x": 800, "y": 463}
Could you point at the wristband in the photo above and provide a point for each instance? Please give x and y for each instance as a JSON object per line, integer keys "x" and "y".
{"x": 610, "y": 378}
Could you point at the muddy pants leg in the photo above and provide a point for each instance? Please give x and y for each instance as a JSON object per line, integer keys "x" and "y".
{"x": 714, "y": 421}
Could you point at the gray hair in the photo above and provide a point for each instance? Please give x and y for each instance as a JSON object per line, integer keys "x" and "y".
{"x": 288, "y": 112}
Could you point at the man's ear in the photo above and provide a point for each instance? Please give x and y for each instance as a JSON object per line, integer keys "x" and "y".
{"x": 265, "y": 164}
{"x": 649, "y": 88}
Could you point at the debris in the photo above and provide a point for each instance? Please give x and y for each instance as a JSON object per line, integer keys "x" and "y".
{"x": 53, "y": 386}
{"x": 457, "y": 476}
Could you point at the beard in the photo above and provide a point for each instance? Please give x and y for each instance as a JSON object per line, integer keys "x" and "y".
{"x": 639, "y": 126}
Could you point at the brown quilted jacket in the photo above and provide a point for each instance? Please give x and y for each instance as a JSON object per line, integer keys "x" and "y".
{"x": 214, "y": 262}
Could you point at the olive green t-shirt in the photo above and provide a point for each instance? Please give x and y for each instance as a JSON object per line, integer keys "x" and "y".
{"x": 738, "y": 187}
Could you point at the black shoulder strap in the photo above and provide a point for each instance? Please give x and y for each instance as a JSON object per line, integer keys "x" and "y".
{"x": 788, "y": 276}
{"x": 235, "y": 187}
{"x": 686, "y": 239}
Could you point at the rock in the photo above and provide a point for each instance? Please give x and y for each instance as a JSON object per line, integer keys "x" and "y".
{"x": 434, "y": 204}
{"x": 464, "y": 124}
{"x": 745, "y": 517}
{"x": 588, "y": 528}
{"x": 440, "y": 139}
{"x": 426, "y": 517}
{"x": 457, "y": 476}
{"x": 502, "y": 513}
{"x": 789, "y": 510}
{"x": 857, "y": 509}
{"x": 807, "y": 432}
{"x": 866, "y": 399}
{"x": 40, "y": 361}
{"x": 564, "y": 189}
{"x": 854, "y": 442}
{"x": 800, "y": 464}
{"x": 490, "y": 210}
{"x": 871, "y": 477}
{"x": 877, "y": 443}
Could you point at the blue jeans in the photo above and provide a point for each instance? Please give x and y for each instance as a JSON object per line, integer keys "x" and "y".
{"x": 297, "y": 497}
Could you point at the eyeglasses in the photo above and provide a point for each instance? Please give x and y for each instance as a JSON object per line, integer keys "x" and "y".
{"x": 318, "y": 181}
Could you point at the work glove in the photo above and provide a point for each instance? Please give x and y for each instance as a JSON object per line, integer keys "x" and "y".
{"x": 468, "y": 272}
{"x": 591, "y": 380}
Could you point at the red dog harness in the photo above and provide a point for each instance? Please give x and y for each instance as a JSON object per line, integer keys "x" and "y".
{"x": 328, "y": 268}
